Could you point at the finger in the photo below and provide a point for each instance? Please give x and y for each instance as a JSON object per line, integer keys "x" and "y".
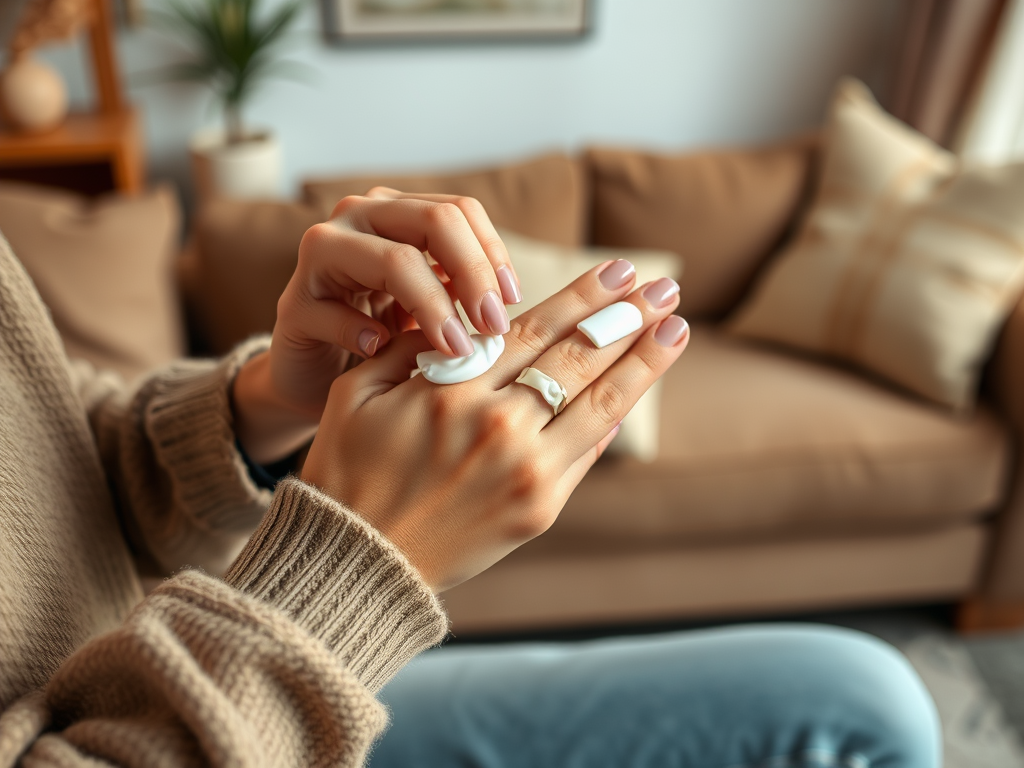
{"x": 441, "y": 228}
{"x": 556, "y": 317}
{"x": 483, "y": 228}
{"x": 334, "y": 322}
{"x": 608, "y": 399}
{"x": 579, "y": 468}
{"x": 377, "y": 264}
{"x": 575, "y": 361}
{"x": 389, "y": 368}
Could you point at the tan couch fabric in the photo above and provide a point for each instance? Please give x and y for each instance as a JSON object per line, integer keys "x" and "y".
{"x": 758, "y": 442}
{"x": 243, "y": 256}
{"x": 543, "y": 198}
{"x": 907, "y": 263}
{"x": 722, "y": 211}
{"x": 104, "y": 269}
{"x": 771, "y": 576}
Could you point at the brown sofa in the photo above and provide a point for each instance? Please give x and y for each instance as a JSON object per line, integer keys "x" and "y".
{"x": 784, "y": 483}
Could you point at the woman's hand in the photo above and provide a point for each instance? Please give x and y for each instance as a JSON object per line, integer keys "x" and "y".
{"x": 458, "y": 476}
{"x": 362, "y": 278}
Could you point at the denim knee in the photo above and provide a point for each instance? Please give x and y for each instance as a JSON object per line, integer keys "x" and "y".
{"x": 889, "y": 709}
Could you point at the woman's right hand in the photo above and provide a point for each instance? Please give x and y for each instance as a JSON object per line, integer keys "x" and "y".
{"x": 457, "y": 476}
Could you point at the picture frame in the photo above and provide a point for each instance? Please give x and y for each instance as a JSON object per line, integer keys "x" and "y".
{"x": 369, "y": 21}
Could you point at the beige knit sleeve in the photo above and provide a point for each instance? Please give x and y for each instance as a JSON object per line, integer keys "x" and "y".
{"x": 168, "y": 449}
{"x": 274, "y": 666}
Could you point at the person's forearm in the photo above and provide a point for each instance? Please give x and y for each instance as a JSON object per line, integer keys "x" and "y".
{"x": 268, "y": 428}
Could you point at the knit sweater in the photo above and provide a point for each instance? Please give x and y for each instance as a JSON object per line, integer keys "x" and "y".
{"x": 285, "y": 615}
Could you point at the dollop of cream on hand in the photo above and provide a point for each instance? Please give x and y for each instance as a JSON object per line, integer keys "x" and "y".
{"x": 442, "y": 369}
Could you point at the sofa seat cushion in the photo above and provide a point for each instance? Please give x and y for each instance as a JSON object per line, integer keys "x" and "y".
{"x": 757, "y": 440}
{"x": 544, "y": 197}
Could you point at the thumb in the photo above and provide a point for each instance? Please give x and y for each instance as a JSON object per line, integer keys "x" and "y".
{"x": 390, "y": 367}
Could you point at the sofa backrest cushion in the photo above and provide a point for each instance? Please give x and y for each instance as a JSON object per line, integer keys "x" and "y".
{"x": 543, "y": 198}
{"x": 723, "y": 211}
{"x": 104, "y": 268}
{"x": 242, "y": 256}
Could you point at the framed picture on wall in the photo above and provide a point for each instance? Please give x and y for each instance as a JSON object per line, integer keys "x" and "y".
{"x": 436, "y": 20}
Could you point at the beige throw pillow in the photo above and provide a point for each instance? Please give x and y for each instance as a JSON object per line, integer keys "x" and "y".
{"x": 104, "y": 268}
{"x": 545, "y": 268}
{"x": 907, "y": 264}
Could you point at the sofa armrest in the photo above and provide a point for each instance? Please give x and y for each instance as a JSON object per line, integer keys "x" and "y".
{"x": 1005, "y": 578}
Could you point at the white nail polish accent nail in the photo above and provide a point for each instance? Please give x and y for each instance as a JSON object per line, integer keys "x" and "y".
{"x": 444, "y": 369}
{"x": 612, "y": 323}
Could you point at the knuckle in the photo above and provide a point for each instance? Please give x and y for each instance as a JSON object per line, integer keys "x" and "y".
{"x": 313, "y": 238}
{"x": 444, "y": 214}
{"x": 344, "y": 206}
{"x": 531, "y": 524}
{"x": 575, "y": 360}
{"x": 380, "y": 191}
{"x": 400, "y": 256}
{"x": 443, "y": 407}
{"x": 531, "y": 332}
{"x": 500, "y": 425}
{"x": 608, "y": 400}
{"x": 650, "y": 358}
{"x": 529, "y": 478}
{"x": 469, "y": 205}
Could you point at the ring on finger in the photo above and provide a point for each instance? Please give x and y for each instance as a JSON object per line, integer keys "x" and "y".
{"x": 554, "y": 394}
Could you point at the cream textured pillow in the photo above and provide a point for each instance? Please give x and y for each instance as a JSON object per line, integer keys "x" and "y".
{"x": 907, "y": 264}
{"x": 545, "y": 268}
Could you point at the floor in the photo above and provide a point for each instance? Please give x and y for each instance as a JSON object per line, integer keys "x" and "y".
{"x": 978, "y": 682}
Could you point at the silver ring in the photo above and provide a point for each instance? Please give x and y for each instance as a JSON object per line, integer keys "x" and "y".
{"x": 552, "y": 392}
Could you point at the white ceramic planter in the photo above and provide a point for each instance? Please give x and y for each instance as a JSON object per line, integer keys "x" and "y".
{"x": 249, "y": 169}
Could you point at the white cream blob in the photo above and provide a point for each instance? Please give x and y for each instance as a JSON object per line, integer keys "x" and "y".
{"x": 612, "y": 323}
{"x": 442, "y": 369}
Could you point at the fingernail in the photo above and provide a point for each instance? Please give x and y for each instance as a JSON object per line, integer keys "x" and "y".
{"x": 659, "y": 293}
{"x": 671, "y": 331}
{"x": 509, "y": 285}
{"x": 494, "y": 313}
{"x": 456, "y": 336}
{"x": 611, "y": 323}
{"x": 368, "y": 341}
{"x": 617, "y": 274}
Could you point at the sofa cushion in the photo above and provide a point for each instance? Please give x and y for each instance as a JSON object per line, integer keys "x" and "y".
{"x": 908, "y": 262}
{"x": 755, "y": 441}
{"x": 104, "y": 269}
{"x": 242, "y": 256}
{"x": 542, "y": 198}
{"x": 722, "y": 211}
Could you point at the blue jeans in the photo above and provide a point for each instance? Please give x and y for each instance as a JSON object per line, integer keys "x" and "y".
{"x": 782, "y": 696}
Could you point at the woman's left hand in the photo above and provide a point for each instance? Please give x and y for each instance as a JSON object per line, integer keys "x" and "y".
{"x": 362, "y": 277}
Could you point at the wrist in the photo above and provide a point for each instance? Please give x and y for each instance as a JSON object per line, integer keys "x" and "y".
{"x": 268, "y": 427}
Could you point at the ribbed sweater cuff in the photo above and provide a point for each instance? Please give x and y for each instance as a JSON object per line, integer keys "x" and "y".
{"x": 341, "y": 580}
{"x": 210, "y": 477}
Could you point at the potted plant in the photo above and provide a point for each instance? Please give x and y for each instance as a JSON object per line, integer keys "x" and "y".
{"x": 232, "y": 49}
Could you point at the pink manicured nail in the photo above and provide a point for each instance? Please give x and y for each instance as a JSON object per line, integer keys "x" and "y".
{"x": 494, "y": 313}
{"x": 671, "y": 331}
{"x": 509, "y": 285}
{"x": 457, "y": 337}
{"x": 617, "y": 274}
{"x": 659, "y": 293}
{"x": 368, "y": 341}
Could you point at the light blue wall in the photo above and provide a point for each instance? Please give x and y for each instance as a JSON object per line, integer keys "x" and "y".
{"x": 658, "y": 73}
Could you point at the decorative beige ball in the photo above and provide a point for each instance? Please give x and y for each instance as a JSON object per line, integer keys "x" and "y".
{"x": 32, "y": 95}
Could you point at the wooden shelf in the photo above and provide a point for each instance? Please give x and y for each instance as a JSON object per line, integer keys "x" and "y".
{"x": 112, "y": 139}
{"x": 97, "y": 151}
